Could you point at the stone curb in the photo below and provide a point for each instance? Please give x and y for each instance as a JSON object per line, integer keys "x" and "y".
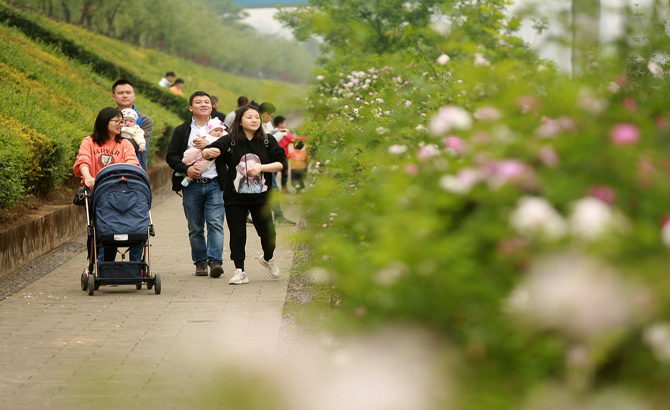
{"x": 58, "y": 225}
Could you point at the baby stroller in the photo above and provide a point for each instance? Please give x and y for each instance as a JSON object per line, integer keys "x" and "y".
{"x": 118, "y": 216}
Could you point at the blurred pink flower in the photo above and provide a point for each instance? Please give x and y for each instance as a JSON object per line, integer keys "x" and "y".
{"x": 319, "y": 78}
{"x": 576, "y": 295}
{"x": 629, "y": 104}
{"x": 625, "y": 133}
{"x": 428, "y": 151}
{"x": 412, "y": 169}
{"x": 455, "y": 143}
{"x": 535, "y": 216}
{"x": 549, "y": 157}
{"x": 462, "y": 183}
{"x": 621, "y": 80}
{"x": 549, "y": 128}
{"x": 487, "y": 114}
{"x": 665, "y": 230}
{"x": 510, "y": 171}
{"x": 603, "y": 192}
{"x": 325, "y": 225}
{"x": 528, "y": 103}
{"x": 450, "y": 117}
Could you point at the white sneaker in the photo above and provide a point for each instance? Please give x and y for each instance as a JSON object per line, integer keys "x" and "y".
{"x": 271, "y": 266}
{"x": 239, "y": 278}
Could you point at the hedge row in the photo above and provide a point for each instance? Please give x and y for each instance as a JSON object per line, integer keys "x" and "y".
{"x": 13, "y": 18}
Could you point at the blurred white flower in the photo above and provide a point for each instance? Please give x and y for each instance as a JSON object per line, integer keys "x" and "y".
{"x": 391, "y": 273}
{"x": 428, "y": 151}
{"x": 480, "y": 61}
{"x": 655, "y": 69}
{"x": 589, "y": 101}
{"x": 450, "y": 117}
{"x": 443, "y": 59}
{"x": 487, "y": 114}
{"x": 549, "y": 128}
{"x": 613, "y": 87}
{"x": 576, "y": 295}
{"x": 657, "y": 336}
{"x": 441, "y": 27}
{"x": 665, "y": 231}
{"x": 462, "y": 183}
{"x": 319, "y": 78}
{"x": 421, "y": 127}
{"x": 535, "y": 216}
{"x": 382, "y": 130}
{"x": 397, "y": 149}
{"x": 591, "y": 218}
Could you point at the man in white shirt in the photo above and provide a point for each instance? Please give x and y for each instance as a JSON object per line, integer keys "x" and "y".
{"x": 166, "y": 81}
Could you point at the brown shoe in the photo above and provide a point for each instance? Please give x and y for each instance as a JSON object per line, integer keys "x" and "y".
{"x": 201, "y": 269}
{"x": 215, "y": 269}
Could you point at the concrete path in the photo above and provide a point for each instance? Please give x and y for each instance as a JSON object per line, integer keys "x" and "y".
{"x": 126, "y": 349}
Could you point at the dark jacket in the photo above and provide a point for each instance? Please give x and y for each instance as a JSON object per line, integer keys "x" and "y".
{"x": 175, "y": 153}
{"x": 236, "y": 160}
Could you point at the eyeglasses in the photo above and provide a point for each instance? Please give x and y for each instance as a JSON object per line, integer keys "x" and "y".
{"x": 117, "y": 121}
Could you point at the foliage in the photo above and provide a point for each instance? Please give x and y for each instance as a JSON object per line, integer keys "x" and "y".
{"x": 204, "y": 31}
{"x": 14, "y": 162}
{"x": 468, "y": 187}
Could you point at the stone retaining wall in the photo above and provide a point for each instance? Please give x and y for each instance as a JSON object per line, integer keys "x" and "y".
{"x": 58, "y": 225}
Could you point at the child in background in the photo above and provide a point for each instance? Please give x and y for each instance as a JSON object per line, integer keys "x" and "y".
{"x": 285, "y": 138}
{"x": 214, "y": 130}
{"x": 297, "y": 161}
{"x": 131, "y": 131}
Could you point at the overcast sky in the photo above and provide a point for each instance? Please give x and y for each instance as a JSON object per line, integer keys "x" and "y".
{"x": 261, "y": 20}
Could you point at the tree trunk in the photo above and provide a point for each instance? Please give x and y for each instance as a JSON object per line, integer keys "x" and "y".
{"x": 66, "y": 11}
{"x": 585, "y": 32}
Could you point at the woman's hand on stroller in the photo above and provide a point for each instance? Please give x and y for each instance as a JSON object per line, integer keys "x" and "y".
{"x": 89, "y": 182}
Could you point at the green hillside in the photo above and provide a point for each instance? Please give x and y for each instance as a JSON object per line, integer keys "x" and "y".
{"x": 50, "y": 95}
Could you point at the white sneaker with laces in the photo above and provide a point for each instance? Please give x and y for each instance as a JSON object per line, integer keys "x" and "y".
{"x": 239, "y": 278}
{"x": 271, "y": 266}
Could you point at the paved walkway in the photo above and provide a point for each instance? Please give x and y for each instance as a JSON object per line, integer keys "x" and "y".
{"x": 125, "y": 349}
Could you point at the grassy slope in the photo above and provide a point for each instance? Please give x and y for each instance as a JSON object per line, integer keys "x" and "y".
{"x": 152, "y": 65}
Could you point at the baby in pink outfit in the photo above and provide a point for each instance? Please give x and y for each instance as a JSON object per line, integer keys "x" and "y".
{"x": 193, "y": 156}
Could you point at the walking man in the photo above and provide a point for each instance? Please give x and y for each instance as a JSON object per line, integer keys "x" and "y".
{"x": 123, "y": 94}
{"x": 203, "y": 197}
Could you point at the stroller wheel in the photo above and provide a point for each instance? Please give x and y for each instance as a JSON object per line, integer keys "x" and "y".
{"x": 157, "y": 283}
{"x": 91, "y": 285}
{"x": 84, "y": 280}
{"x": 150, "y": 283}
{"x": 138, "y": 286}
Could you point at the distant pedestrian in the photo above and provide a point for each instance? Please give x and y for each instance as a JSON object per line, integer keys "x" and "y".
{"x": 267, "y": 111}
{"x": 215, "y": 109}
{"x": 177, "y": 86}
{"x": 297, "y": 162}
{"x": 241, "y": 102}
{"x": 166, "y": 81}
{"x": 251, "y": 157}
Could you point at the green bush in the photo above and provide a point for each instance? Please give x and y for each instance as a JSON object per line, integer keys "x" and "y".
{"x": 15, "y": 162}
{"x": 518, "y": 212}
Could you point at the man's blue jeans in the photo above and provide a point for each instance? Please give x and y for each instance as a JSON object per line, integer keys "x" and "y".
{"x": 203, "y": 204}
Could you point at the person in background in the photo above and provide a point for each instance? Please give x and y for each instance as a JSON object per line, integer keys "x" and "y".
{"x": 102, "y": 148}
{"x": 267, "y": 111}
{"x": 251, "y": 157}
{"x": 203, "y": 196}
{"x": 297, "y": 162}
{"x": 123, "y": 94}
{"x": 167, "y": 80}
{"x": 285, "y": 139}
{"x": 241, "y": 102}
{"x": 177, "y": 86}
{"x": 215, "y": 109}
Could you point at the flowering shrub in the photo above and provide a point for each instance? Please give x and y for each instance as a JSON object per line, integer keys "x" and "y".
{"x": 518, "y": 212}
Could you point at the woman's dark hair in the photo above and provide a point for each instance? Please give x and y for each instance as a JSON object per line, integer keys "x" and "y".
{"x": 101, "y": 128}
{"x": 237, "y": 133}
{"x": 242, "y": 101}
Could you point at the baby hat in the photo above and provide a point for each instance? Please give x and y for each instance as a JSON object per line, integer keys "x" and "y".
{"x": 215, "y": 123}
{"x": 129, "y": 112}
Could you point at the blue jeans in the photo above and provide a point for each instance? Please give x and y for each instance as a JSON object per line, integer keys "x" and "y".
{"x": 203, "y": 204}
